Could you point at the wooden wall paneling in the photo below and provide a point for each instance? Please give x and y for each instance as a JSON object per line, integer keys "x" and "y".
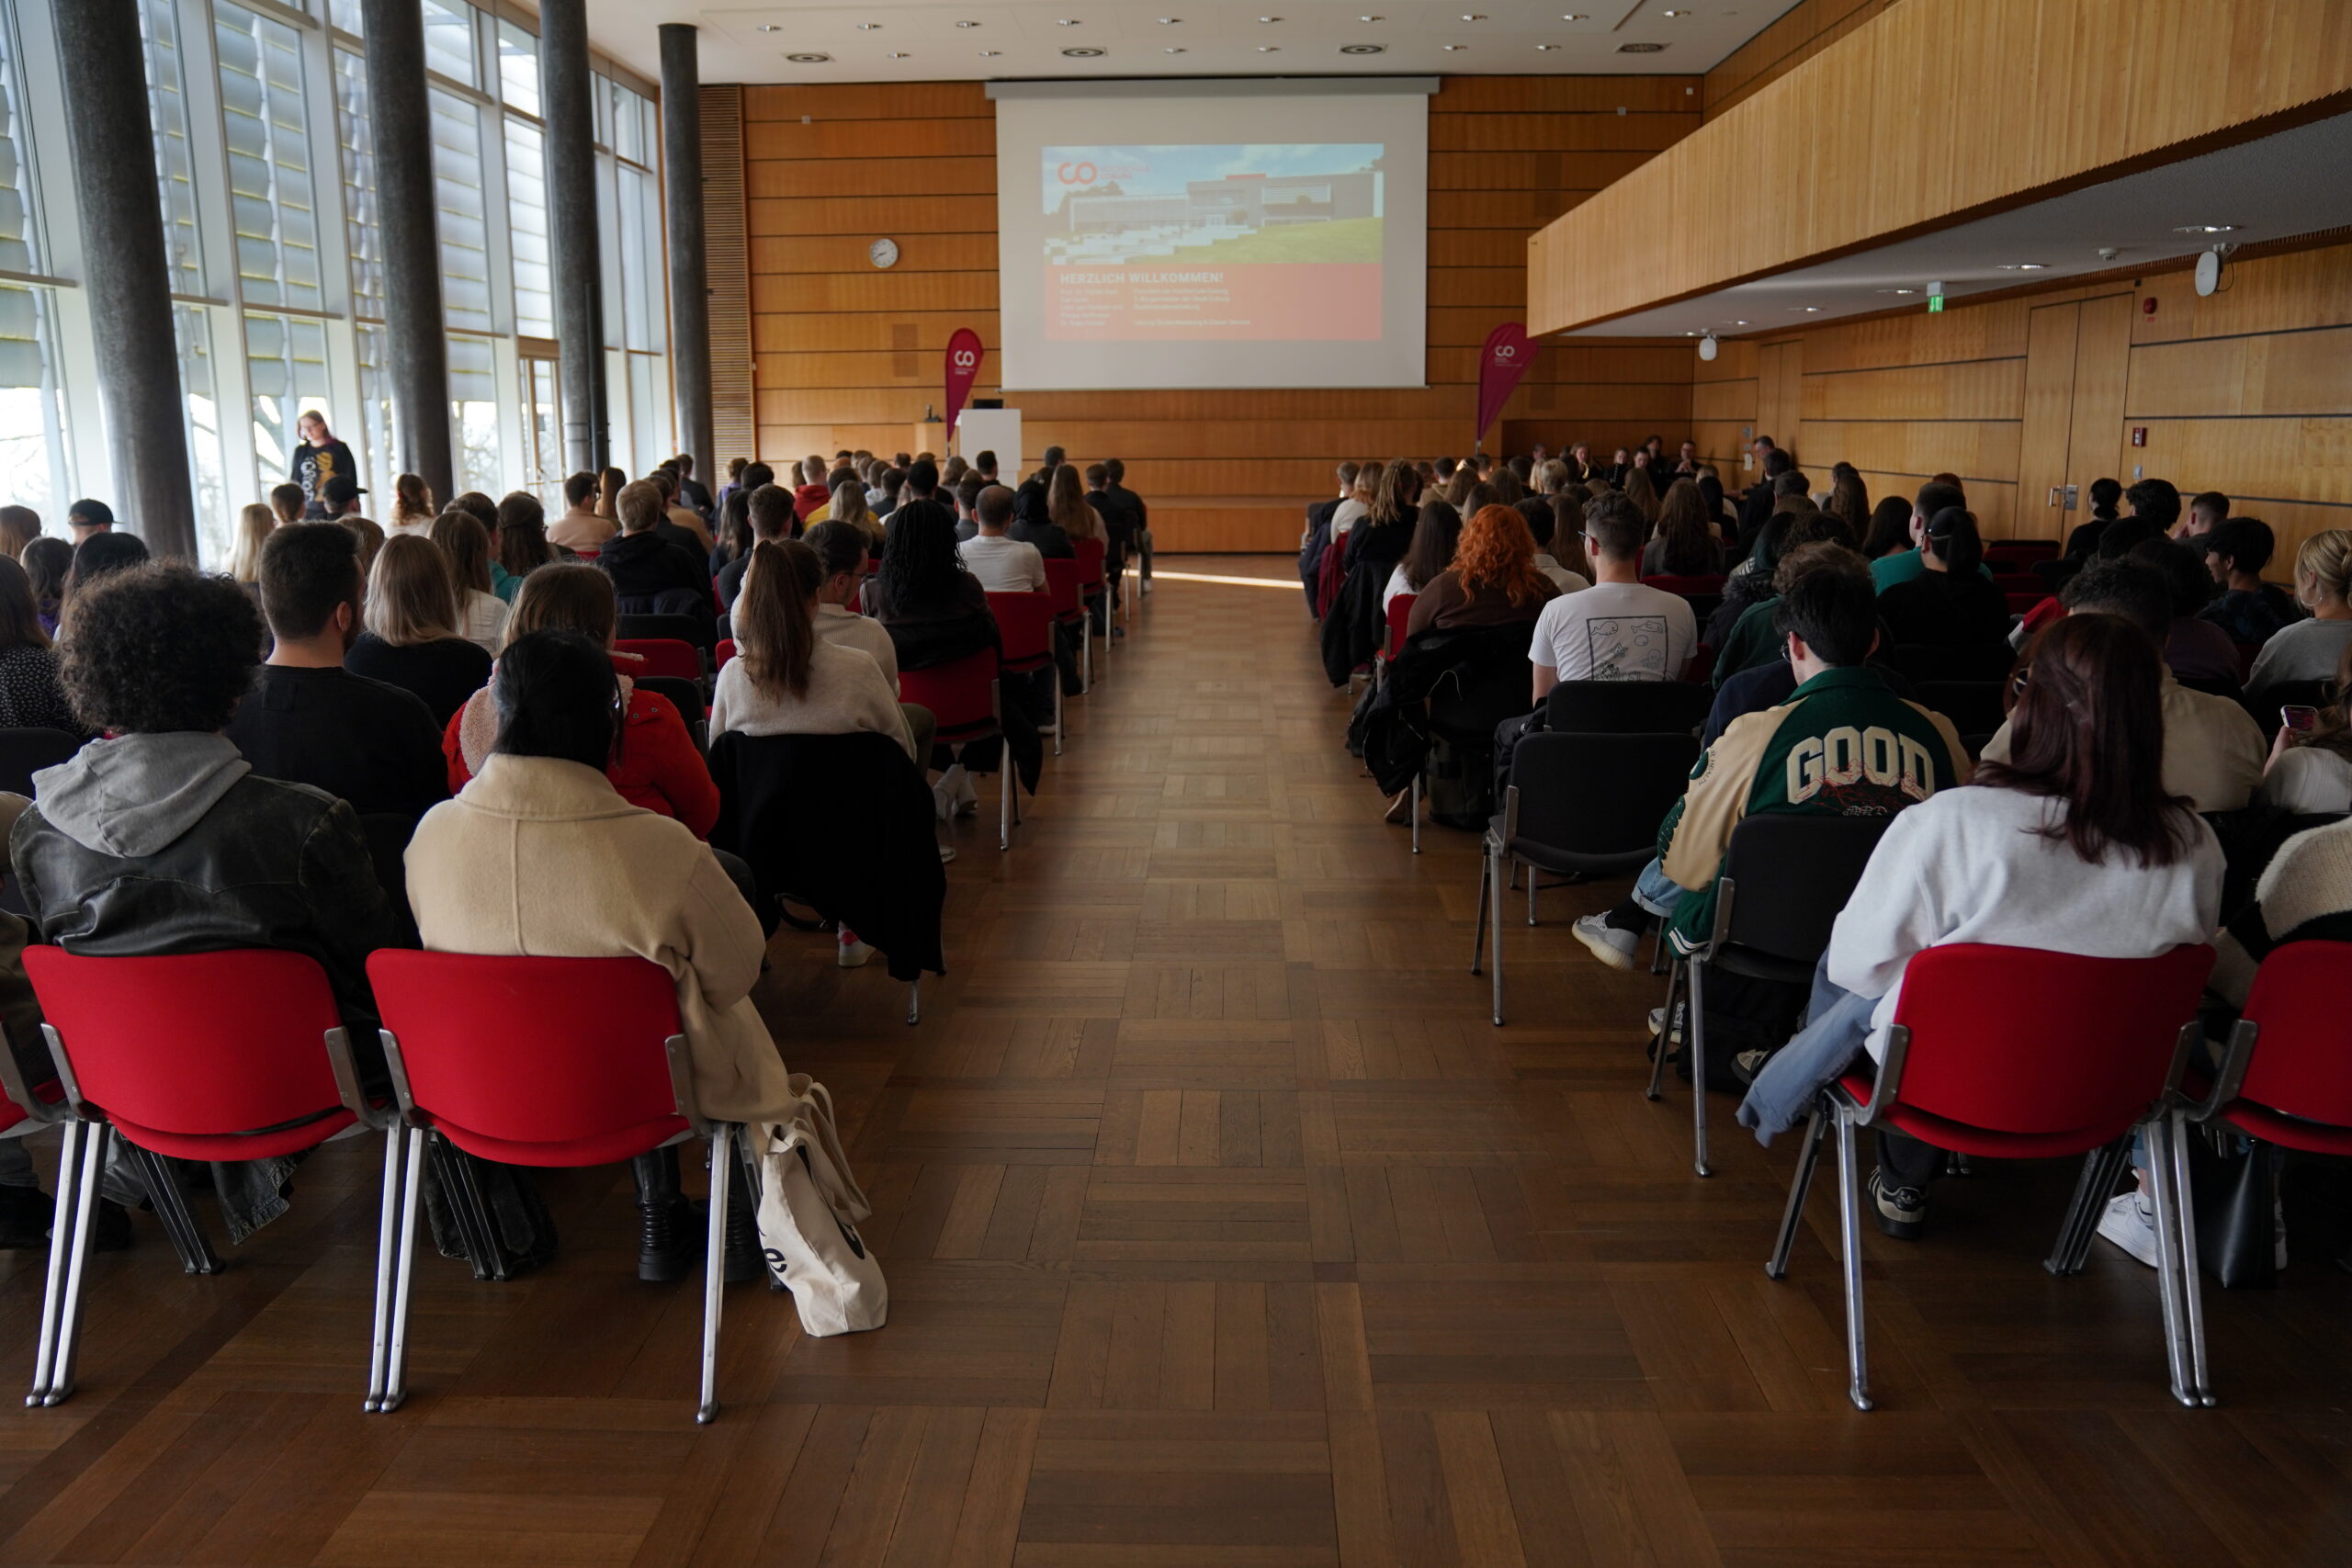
{"x": 2256, "y": 458}
{"x": 2278, "y": 373}
{"x": 1779, "y": 393}
{"x": 726, "y": 257}
{"x": 1972, "y": 389}
{"x": 1865, "y": 139}
{"x": 1790, "y": 39}
{"x": 2102, "y": 368}
{"x": 2052, "y": 332}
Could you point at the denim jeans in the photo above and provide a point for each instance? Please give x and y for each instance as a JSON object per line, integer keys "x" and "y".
{"x": 1655, "y": 892}
{"x": 1837, "y": 1032}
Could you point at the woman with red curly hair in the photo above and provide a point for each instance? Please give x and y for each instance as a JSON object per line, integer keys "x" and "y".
{"x": 1494, "y": 580}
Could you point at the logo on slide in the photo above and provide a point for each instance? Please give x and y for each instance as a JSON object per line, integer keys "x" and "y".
{"x": 1077, "y": 173}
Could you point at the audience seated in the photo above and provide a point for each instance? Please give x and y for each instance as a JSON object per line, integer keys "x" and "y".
{"x": 840, "y": 550}
{"x": 1754, "y": 638}
{"x": 1685, "y": 543}
{"x": 162, "y": 838}
{"x": 2195, "y": 649}
{"x": 1003, "y": 565}
{"x": 653, "y": 764}
{"x": 936, "y": 612}
{"x": 540, "y": 854}
{"x": 1949, "y": 602}
{"x": 784, "y": 679}
{"x": 2311, "y": 768}
{"x": 2071, "y": 845}
{"x": 310, "y": 720}
{"x": 1889, "y": 532}
{"x": 2249, "y": 609}
{"x": 1436, "y": 530}
{"x": 519, "y": 545}
{"x": 811, "y": 492}
{"x": 413, "y": 508}
{"x": 1617, "y": 629}
{"x": 32, "y": 696}
{"x": 254, "y": 523}
{"x": 2106, "y": 496}
{"x": 48, "y": 563}
{"x": 680, "y": 516}
{"x": 2308, "y": 651}
{"x": 1544, "y": 527}
{"x": 19, "y": 527}
{"x": 1842, "y": 745}
{"x": 582, "y": 529}
{"x": 465, "y": 545}
{"x": 2212, "y": 752}
{"x": 1493, "y": 580}
{"x": 412, "y": 639}
{"x": 653, "y": 574}
{"x": 768, "y": 517}
{"x": 1932, "y": 499}
{"x": 101, "y": 554}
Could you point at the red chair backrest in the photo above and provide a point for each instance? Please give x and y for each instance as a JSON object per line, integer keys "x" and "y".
{"x": 1025, "y": 622}
{"x": 195, "y": 1044}
{"x": 961, "y": 695}
{"x": 1667, "y": 583}
{"x": 2302, "y": 1063}
{"x": 1089, "y": 553}
{"x": 2017, "y": 1040}
{"x": 661, "y": 655}
{"x": 566, "y": 1052}
{"x": 2005, "y": 554}
{"x": 2019, "y": 582}
{"x": 2022, "y": 602}
{"x": 1400, "y": 610}
{"x": 1062, "y": 581}
{"x": 725, "y": 652}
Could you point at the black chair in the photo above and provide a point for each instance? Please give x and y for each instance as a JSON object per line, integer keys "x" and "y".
{"x": 1974, "y": 706}
{"x": 686, "y": 698}
{"x": 1578, "y": 806}
{"x": 1923, "y": 663}
{"x": 1465, "y": 714}
{"x": 699, "y": 631}
{"x": 24, "y": 752}
{"x": 1627, "y": 707}
{"x": 1799, "y": 870}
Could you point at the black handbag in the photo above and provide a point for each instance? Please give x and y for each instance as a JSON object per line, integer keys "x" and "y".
{"x": 2234, "y": 1190}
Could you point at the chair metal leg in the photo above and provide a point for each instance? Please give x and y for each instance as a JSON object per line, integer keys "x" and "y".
{"x": 62, "y": 1239}
{"x": 196, "y": 1254}
{"x": 1800, "y": 1185}
{"x": 404, "y": 1273}
{"x": 1417, "y": 813}
{"x": 2158, "y": 1133}
{"x": 2101, "y": 1166}
{"x": 1850, "y": 1232}
{"x": 1657, "y": 951}
{"x": 722, "y": 1143}
{"x": 1494, "y": 933}
{"x": 84, "y": 1242}
{"x": 1058, "y": 706}
{"x": 388, "y": 1229}
{"x": 2192, "y": 1296}
{"x": 1694, "y": 1033}
{"x": 1533, "y": 877}
{"x": 914, "y": 1000}
{"x": 1665, "y": 1031}
{"x": 1478, "y": 931}
{"x": 1006, "y": 785}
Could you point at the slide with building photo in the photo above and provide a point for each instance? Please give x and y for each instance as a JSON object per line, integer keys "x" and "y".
{"x": 1213, "y": 242}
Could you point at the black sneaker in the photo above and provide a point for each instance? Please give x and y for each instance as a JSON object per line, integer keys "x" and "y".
{"x": 1901, "y": 1212}
{"x": 1747, "y": 1064}
{"x": 114, "y": 1226}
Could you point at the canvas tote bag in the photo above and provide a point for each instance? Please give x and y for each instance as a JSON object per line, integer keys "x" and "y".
{"x": 809, "y": 1207}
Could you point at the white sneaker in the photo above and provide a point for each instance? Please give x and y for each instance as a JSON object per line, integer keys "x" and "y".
{"x": 852, "y": 952}
{"x": 963, "y": 799}
{"x": 1658, "y": 1025}
{"x": 2130, "y": 1225}
{"x": 946, "y": 854}
{"x": 1611, "y": 946}
{"x": 942, "y": 800}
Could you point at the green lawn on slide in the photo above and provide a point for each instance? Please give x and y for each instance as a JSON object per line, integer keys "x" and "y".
{"x": 1343, "y": 240}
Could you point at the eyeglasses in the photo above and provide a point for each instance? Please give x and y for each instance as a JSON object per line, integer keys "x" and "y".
{"x": 2018, "y": 680}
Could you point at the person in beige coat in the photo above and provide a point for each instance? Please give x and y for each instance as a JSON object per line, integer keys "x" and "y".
{"x": 539, "y": 857}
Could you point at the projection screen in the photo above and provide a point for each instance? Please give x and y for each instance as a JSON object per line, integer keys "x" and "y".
{"x": 1212, "y": 234}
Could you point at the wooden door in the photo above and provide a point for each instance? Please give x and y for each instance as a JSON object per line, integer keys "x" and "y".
{"x": 2102, "y": 361}
{"x": 2050, "y": 335}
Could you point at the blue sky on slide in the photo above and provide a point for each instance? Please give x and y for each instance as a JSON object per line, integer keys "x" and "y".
{"x": 1166, "y": 170}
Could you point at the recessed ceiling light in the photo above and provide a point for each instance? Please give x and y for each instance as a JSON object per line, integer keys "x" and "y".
{"x": 809, "y": 59}
{"x": 967, "y": 24}
{"x": 1363, "y": 49}
{"x": 1898, "y": 291}
{"x": 1270, "y": 18}
{"x": 1371, "y": 18}
{"x": 1455, "y": 47}
{"x": 770, "y": 28}
{"x": 1169, "y": 21}
{"x": 2023, "y": 266}
{"x": 897, "y": 54}
{"x": 1676, "y": 13}
{"x": 1172, "y": 49}
{"x": 1474, "y": 16}
{"x": 869, "y": 26}
{"x": 991, "y": 53}
{"x": 1547, "y": 46}
{"x": 1089, "y": 53}
{"x": 1270, "y": 48}
{"x": 1739, "y": 323}
{"x": 1577, "y": 16}
{"x": 1065, "y": 21}
{"x": 2207, "y": 229}
{"x": 1813, "y": 309}
{"x": 1641, "y": 49}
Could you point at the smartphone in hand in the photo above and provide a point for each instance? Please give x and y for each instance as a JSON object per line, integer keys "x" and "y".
{"x": 2298, "y": 718}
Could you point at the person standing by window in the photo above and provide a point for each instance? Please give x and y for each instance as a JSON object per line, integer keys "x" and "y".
{"x": 321, "y": 458}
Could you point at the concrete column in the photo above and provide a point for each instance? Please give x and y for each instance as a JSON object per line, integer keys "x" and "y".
{"x": 400, "y": 123}
{"x": 689, "y": 278}
{"x": 567, "y": 94}
{"x": 126, "y": 271}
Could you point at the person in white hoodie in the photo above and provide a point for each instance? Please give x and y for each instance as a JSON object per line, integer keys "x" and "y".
{"x": 2071, "y": 845}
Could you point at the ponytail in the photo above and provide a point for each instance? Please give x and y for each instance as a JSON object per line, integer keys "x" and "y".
{"x": 1951, "y": 533}
{"x": 775, "y": 631}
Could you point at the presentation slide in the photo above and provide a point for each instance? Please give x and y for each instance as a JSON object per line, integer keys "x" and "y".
{"x": 1186, "y": 256}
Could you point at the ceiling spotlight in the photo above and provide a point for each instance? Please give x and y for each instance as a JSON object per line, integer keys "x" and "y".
{"x": 1270, "y": 48}
{"x": 1172, "y": 49}
{"x": 1089, "y": 53}
{"x": 2207, "y": 229}
{"x": 1547, "y": 46}
{"x": 869, "y": 26}
{"x": 809, "y": 59}
{"x": 1898, "y": 291}
{"x": 1577, "y": 16}
{"x": 1676, "y": 13}
{"x": 991, "y": 53}
{"x": 1739, "y": 323}
{"x": 1474, "y": 16}
{"x": 1169, "y": 21}
{"x": 1641, "y": 49}
{"x": 1371, "y": 18}
{"x": 1455, "y": 47}
{"x": 1065, "y": 21}
{"x": 1813, "y": 309}
{"x": 2023, "y": 266}
{"x": 770, "y": 28}
{"x": 967, "y": 24}
{"x": 1270, "y": 18}
{"x": 897, "y": 54}
{"x": 1363, "y": 49}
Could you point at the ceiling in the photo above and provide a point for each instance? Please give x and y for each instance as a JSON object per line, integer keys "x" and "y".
{"x": 2271, "y": 188}
{"x": 926, "y": 40}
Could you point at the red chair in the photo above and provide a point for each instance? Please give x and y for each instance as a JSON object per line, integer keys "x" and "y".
{"x": 1400, "y": 612}
{"x": 2018, "y": 555}
{"x": 663, "y": 655}
{"x": 2024, "y": 604}
{"x": 2016, "y": 1053}
{"x": 230, "y": 1056}
{"x": 1025, "y": 622}
{"x": 1062, "y": 585}
{"x": 964, "y": 697}
{"x": 1094, "y": 588}
{"x": 2287, "y": 1076}
{"x": 543, "y": 1062}
{"x": 725, "y": 652}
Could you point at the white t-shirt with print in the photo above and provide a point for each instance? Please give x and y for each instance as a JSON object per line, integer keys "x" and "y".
{"x": 1616, "y": 631}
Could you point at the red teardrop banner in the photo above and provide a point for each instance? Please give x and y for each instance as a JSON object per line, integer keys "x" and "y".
{"x": 963, "y": 356}
{"x": 1500, "y": 364}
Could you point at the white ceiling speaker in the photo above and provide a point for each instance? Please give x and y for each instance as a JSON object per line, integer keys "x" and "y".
{"x": 2209, "y": 269}
{"x": 1707, "y": 349}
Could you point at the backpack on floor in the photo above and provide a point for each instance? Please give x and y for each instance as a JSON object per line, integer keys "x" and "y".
{"x": 1460, "y": 785}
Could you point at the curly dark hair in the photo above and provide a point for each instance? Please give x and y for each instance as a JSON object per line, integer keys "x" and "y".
{"x": 160, "y": 648}
{"x": 923, "y": 574}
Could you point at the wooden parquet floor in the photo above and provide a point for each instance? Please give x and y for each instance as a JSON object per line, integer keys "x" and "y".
{"x": 1223, "y": 1232}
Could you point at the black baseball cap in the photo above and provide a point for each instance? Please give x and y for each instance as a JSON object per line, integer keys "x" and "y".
{"x": 342, "y": 490}
{"x": 91, "y": 513}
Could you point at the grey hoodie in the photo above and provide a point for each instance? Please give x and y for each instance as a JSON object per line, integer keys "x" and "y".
{"x": 135, "y": 795}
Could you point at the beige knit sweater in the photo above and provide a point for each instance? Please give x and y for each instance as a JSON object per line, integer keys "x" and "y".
{"x": 2310, "y": 876}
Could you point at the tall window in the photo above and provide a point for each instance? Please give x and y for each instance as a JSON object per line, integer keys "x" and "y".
{"x": 473, "y": 408}
{"x": 527, "y": 217}
{"x": 362, "y": 223}
{"x": 629, "y": 213}
{"x": 174, "y": 164}
{"x": 34, "y": 469}
{"x": 200, "y": 395}
{"x": 458, "y": 184}
{"x": 263, "y": 119}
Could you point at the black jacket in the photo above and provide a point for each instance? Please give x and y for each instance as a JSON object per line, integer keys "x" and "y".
{"x": 776, "y": 796}
{"x": 368, "y": 743}
{"x": 1391, "y": 729}
{"x": 1318, "y": 539}
{"x": 1047, "y": 535}
{"x": 652, "y": 576}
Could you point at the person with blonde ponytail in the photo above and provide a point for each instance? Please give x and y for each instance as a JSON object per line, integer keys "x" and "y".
{"x": 786, "y": 679}
{"x": 2309, "y": 650}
